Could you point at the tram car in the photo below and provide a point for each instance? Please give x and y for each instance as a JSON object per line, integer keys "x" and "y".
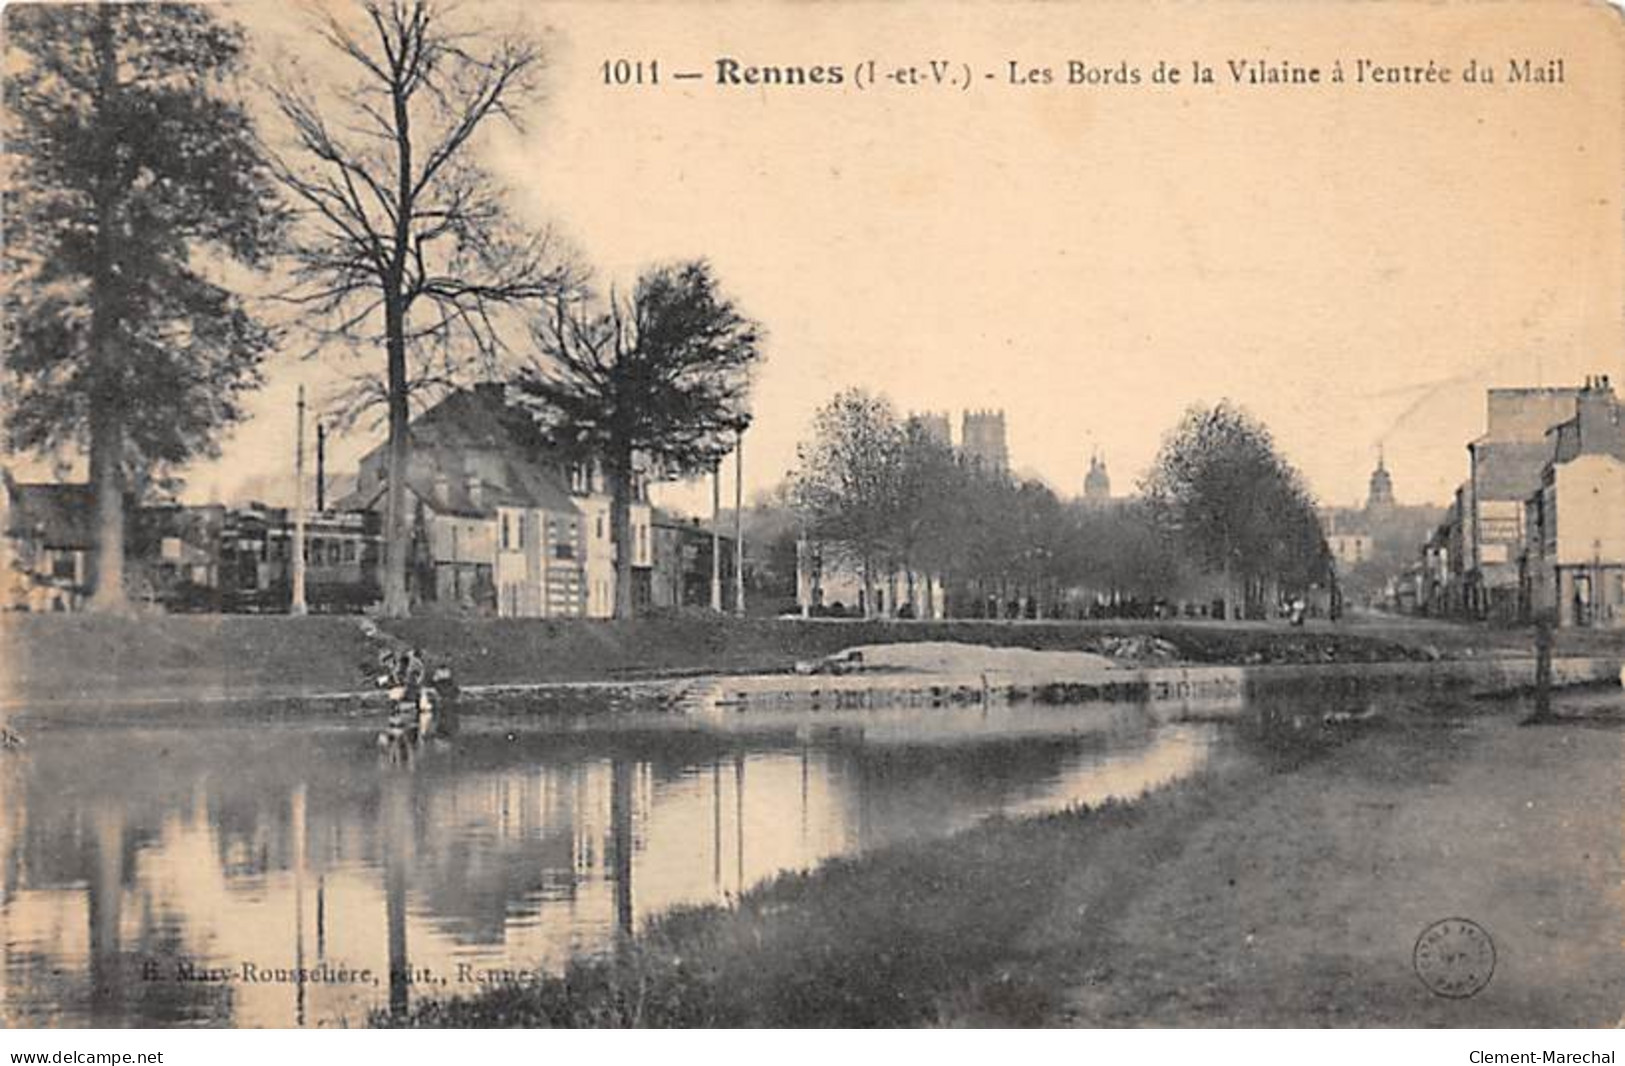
{"x": 240, "y": 559}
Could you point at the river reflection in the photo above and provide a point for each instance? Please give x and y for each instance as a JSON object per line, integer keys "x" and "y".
{"x": 187, "y": 874}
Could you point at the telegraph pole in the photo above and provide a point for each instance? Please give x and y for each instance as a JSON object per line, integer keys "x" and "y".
{"x": 321, "y": 467}
{"x": 297, "y": 606}
{"x": 716, "y": 536}
{"x": 739, "y": 522}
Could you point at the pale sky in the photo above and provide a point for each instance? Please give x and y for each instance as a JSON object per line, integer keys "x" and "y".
{"x": 1354, "y": 263}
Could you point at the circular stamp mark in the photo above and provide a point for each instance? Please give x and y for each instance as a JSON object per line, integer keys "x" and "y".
{"x": 1455, "y": 958}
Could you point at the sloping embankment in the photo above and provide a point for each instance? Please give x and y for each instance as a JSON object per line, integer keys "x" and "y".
{"x": 198, "y": 663}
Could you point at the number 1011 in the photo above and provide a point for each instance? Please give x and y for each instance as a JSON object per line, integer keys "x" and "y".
{"x": 631, "y": 72}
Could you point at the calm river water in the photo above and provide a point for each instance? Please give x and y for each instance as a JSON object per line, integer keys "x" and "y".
{"x": 186, "y": 874}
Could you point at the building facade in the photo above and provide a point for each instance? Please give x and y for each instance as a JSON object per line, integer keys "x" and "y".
{"x": 1572, "y": 564}
{"x": 1505, "y": 468}
{"x": 502, "y": 522}
{"x": 47, "y": 543}
{"x": 681, "y": 574}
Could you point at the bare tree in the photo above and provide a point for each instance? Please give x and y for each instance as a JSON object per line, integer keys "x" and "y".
{"x": 404, "y": 237}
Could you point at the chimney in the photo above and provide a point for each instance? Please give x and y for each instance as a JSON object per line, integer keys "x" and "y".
{"x": 1597, "y": 416}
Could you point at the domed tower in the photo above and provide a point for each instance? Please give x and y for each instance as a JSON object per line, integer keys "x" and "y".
{"x": 1097, "y": 484}
{"x": 1380, "y": 493}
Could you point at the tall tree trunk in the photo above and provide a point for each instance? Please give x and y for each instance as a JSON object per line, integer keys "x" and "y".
{"x": 106, "y": 396}
{"x": 397, "y": 539}
{"x": 107, "y": 486}
{"x": 868, "y": 588}
{"x": 1229, "y": 591}
{"x": 619, "y": 471}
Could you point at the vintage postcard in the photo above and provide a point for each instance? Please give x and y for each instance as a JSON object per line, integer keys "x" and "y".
{"x": 737, "y": 515}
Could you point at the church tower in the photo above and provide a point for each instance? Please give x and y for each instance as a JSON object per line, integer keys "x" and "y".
{"x": 1380, "y": 493}
{"x": 1097, "y": 484}
{"x": 983, "y": 442}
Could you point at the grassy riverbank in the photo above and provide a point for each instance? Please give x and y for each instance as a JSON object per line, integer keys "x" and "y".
{"x": 76, "y": 657}
{"x": 1289, "y": 891}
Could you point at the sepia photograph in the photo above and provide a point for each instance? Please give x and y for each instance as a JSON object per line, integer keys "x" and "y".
{"x": 821, "y": 515}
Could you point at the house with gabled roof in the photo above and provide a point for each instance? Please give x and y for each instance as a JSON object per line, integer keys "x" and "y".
{"x": 502, "y": 522}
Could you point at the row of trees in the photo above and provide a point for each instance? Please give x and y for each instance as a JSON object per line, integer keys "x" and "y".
{"x": 139, "y": 180}
{"x": 1220, "y": 510}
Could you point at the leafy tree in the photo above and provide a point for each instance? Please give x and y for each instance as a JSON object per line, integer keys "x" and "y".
{"x": 129, "y": 160}
{"x": 1236, "y": 506}
{"x": 987, "y": 533}
{"x": 1039, "y": 531}
{"x": 930, "y": 485}
{"x": 403, "y": 238}
{"x": 846, "y": 482}
{"x": 1119, "y": 554}
{"x": 661, "y": 378}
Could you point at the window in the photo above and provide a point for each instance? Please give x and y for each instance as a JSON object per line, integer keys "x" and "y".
{"x": 334, "y": 552}
{"x": 171, "y": 548}
{"x": 349, "y": 551}
{"x": 600, "y": 533}
{"x": 506, "y": 537}
{"x": 564, "y": 550}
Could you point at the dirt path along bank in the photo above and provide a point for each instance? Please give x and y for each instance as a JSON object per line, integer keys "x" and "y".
{"x": 1302, "y": 906}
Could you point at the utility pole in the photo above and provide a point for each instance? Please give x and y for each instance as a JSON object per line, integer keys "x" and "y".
{"x": 739, "y": 522}
{"x": 297, "y": 606}
{"x": 321, "y": 467}
{"x": 716, "y": 537}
